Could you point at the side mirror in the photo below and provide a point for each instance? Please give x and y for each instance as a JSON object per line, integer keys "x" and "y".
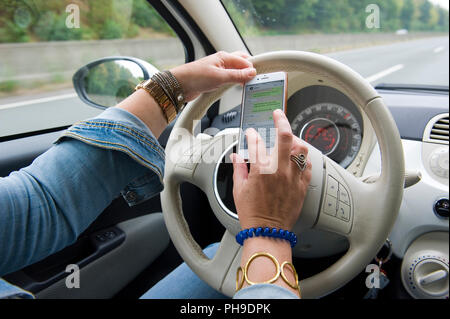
{"x": 108, "y": 81}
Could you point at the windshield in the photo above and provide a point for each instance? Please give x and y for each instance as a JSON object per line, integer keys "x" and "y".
{"x": 391, "y": 41}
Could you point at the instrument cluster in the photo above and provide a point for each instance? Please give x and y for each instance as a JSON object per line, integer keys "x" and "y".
{"x": 327, "y": 119}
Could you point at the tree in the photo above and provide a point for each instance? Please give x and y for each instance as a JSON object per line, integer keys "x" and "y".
{"x": 443, "y": 21}
{"x": 390, "y": 12}
{"x": 407, "y": 14}
{"x": 425, "y": 12}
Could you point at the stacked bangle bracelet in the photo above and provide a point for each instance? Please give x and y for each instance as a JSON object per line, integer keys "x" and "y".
{"x": 171, "y": 87}
{"x": 266, "y": 232}
{"x": 167, "y": 92}
{"x": 242, "y": 273}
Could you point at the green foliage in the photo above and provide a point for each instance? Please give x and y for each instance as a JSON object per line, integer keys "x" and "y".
{"x": 10, "y": 32}
{"x": 52, "y": 27}
{"x": 337, "y": 16}
{"x": 407, "y": 14}
{"x": 45, "y": 20}
{"x": 146, "y": 16}
{"x": 425, "y": 12}
{"x": 111, "y": 30}
{"x": 110, "y": 82}
{"x": 8, "y": 86}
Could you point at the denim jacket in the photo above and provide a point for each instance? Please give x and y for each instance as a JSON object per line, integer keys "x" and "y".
{"x": 38, "y": 219}
{"x": 94, "y": 161}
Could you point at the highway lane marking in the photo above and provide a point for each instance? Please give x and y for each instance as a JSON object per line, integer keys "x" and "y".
{"x": 38, "y": 101}
{"x": 385, "y": 73}
{"x": 438, "y": 49}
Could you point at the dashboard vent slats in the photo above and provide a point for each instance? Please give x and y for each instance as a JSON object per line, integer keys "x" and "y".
{"x": 437, "y": 130}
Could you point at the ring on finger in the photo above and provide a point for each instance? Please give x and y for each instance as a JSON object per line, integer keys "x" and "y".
{"x": 300, "y": 160}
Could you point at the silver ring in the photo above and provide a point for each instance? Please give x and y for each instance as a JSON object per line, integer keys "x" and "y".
{"x": 300, "y": 160}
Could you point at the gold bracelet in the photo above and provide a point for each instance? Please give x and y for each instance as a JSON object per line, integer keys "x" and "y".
{"x": 279, "y": 272}
{"x": 161, "y": 98}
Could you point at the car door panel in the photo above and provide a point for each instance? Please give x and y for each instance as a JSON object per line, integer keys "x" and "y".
{"x": 145, "y": 238}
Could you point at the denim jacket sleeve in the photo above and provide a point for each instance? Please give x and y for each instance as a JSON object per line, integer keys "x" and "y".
{"x": 45, "y": 206}
{"x": 265, "y": 291}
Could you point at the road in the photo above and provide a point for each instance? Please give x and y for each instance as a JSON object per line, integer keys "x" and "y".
{"x": 424, "y": 61}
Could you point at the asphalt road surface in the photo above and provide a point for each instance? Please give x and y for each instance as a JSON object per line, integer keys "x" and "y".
{"x": 424, "y": 61}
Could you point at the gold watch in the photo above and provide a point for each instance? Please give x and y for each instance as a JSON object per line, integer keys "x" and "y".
{"x": 156, "y": 91}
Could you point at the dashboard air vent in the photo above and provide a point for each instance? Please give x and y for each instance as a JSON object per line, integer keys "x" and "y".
{"x": 437, "y": 130}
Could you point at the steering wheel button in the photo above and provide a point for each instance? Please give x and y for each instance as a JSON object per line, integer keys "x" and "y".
{"x": 330, "y": 206}
{"x": 332, "y": 187}
{"x": 343, "y": 212}
{"x": 343, "y": 195}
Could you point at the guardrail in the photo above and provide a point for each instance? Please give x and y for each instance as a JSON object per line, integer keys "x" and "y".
{"x": 36, "y": 61}
{"x": 45, "y": 61}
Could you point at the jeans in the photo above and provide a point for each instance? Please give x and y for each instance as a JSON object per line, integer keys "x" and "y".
{"x": 45, "y": 207}
{"x": 183, "y": 283}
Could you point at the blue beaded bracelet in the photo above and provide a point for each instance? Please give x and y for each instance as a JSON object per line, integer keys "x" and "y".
{"x": 266, "y": 232}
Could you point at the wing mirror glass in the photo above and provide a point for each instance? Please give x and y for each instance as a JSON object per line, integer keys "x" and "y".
{"x": 108, "y": 81}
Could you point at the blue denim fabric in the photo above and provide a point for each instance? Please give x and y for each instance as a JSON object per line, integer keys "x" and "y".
{"x": 45, "y": 206}
{"x": 9, "y": 291}
{"x": 183, "y": 283}
{"x": 265, "y": 291}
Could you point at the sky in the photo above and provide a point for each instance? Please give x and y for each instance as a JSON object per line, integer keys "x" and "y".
{"x": 442, "y": 3}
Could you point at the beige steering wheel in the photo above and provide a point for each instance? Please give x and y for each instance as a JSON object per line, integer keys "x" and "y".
{"x": 336, "y": 200}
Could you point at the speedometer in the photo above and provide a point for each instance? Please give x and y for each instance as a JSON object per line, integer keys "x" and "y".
{"x": 332, "y": 129}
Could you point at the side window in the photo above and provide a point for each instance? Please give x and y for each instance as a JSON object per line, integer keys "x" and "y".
{"x": 43, "y": 42}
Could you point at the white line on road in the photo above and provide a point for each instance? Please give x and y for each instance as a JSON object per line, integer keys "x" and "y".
{"x": 385, "y": 73}
{"x": 37, "y": 101}
{"x": 438, "y": 49}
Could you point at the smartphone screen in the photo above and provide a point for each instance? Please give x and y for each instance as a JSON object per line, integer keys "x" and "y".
{"x": 260, "y": 99}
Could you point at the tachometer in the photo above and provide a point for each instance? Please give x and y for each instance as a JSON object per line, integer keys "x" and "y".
{"x": 332, "y": 129}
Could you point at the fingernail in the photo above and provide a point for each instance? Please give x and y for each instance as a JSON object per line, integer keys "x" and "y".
{"x": 250, "y": 130}
{"x": 251, "y": 72}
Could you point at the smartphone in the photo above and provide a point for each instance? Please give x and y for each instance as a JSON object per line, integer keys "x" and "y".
{"x": 261, "y": 96}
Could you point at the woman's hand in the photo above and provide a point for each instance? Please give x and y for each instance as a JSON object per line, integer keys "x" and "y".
{"x": 195, "y": 78}
{"x": 211, "y": 72}
{"x": 272, "y": 193}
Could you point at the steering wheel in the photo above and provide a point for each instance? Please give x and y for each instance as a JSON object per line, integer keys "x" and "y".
{"x": 336, "y": 200}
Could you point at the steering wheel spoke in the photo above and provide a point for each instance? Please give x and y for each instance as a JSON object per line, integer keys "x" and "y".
{"x": 337, "y": 207}
{"x": 193, "y": 159}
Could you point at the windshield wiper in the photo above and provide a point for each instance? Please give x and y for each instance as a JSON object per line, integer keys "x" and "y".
{"x": 442, "y": 89}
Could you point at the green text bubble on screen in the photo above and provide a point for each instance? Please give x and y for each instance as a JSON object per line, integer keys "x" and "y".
{"x": 266, "y": 106}
{"x": 272, "y": 92}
